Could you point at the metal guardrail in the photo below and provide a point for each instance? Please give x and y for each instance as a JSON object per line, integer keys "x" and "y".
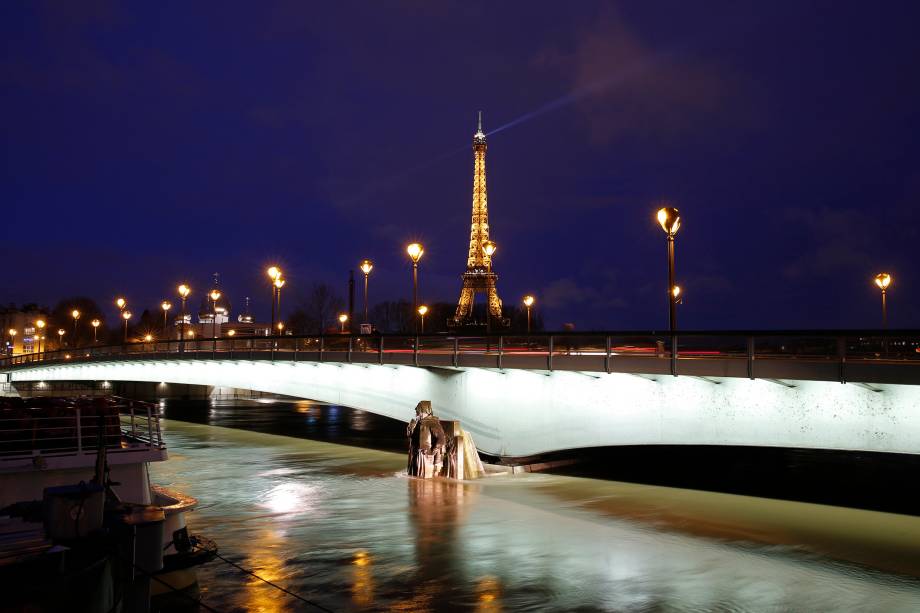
{"x": 135, "y": 427}
{"x": 740, "y": 353}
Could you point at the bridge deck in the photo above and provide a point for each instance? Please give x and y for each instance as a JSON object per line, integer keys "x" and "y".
{"x": 858, "y": 356}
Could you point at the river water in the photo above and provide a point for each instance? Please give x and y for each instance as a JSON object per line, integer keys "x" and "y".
{"x": 343, "y": 526}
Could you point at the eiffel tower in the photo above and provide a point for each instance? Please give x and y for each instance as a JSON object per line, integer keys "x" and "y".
{"x": 479, "y": 277}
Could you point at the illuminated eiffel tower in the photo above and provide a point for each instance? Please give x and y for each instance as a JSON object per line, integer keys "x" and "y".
{"x": 479, "y": 277}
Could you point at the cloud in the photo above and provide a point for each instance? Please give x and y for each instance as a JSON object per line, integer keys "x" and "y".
{"x": 621, "y": 85}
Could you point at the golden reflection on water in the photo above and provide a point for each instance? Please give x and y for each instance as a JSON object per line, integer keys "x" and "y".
{"x": 362, "y": 579}
{"x": 488, "y": 595}
{"x": 259, "y": 597}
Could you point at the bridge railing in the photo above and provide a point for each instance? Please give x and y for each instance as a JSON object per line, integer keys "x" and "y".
{"x": 730, "y": 353}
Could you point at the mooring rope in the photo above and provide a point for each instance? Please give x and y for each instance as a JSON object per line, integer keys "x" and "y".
{"x": 274, "y": 585}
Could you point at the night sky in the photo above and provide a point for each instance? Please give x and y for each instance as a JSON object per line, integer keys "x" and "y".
{"x": 149, "y": 144}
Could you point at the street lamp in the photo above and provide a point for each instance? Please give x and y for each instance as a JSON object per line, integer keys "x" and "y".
{"x": 488, "y": 248}
{"x": 184, "y": 290}
{"x": 274, "y": 273}
{"x": 61, "y": 333}
{"x": 215, "y": 294}
{"x": 148, "y": 337}
{"x": 40, "y": 324}
{"x": 669, "y": 219}
{"x": 883, "y": 280}
{"x": 422, "y": 311}
{"x": 12, "y": 332}
{"x": 342, "y": 319}
{"x": 415, "y": 251}
{"x": 231, "y": 332}
{"x": 280, "y": 327}
{"x": 76, "y": 315}
{"x": 366, "y": 267}
{"x": 165, "y": 305}
{"x": 95, "y": 324}
{"x": 120, "y": 303}
{"x": 528, "y": 302}
{"x": 126, "y": 315}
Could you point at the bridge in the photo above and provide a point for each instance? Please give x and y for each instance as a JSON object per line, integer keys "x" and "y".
{"x": 522, "y": 395}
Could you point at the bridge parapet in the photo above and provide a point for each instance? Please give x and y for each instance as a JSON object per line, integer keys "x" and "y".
{"x": 868, "y": 356}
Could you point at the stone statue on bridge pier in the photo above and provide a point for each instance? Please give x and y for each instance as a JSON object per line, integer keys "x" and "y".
{"x": 440, "y": 449}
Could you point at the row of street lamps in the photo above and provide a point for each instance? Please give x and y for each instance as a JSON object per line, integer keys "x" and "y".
{"x": 668, "y": 218}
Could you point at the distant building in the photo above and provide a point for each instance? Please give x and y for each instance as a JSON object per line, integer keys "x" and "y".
{"x": 23, "y": 322}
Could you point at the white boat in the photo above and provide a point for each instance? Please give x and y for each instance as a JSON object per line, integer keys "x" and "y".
{"x": 53, "y": 442}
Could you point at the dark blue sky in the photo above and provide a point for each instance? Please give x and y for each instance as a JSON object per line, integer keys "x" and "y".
{"x": 151, "y": 143}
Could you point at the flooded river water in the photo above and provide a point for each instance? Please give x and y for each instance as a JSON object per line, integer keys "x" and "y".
{"x": 343, "y": 526}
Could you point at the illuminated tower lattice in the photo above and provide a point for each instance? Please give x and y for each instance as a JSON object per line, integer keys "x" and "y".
{"x": 479, "y": 277}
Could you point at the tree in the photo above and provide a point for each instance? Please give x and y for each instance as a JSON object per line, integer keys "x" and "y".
{"x": 318, "y": 312}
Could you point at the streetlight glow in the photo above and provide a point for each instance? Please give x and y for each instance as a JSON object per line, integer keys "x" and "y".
{"x": 148, "y": 337}
{"x": 366, "y": 266}
{"x": 342, "y": 319}
{"x": 488, "y": 248}
{"x": 273, "y": 272}
{"x": 184, "y": 290}
{"x": 669, "y": 219}
{"x": 415, "y": 251}
{"x": 422, "y": 311}
{"x": 120, "y": 303}
{"x": 75, "y": 314}
{"x": 528, "y": 302}
{"x": 883, "y": 280}
{"x": 95, "y": 324}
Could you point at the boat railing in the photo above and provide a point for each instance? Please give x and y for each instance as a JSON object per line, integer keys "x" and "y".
{"x": 68, "y": 430}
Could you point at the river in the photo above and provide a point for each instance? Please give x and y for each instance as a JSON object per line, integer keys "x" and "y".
{"x": 341, "y": 525}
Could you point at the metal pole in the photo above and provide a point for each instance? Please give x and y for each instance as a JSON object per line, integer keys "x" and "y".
{"x": 74, "y": 331}
{"x": 884, "y": 311}
{"x": 528, "y": 320}
{"x": 366, "y": 275}
{"x": 272, "y": 331}
{"x": 415, "y": 295}
{"x": 165, "y": 326}
{"x": 672, "y": 303}
{"x": 126, "y": 329}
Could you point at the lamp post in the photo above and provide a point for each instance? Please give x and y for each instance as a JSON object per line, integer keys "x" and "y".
{"x": 76, "y": 315}
{"x": 214, "y": 295}
{"x": 166, "y": 305}
{"x": 415, "y": 251}
{"x": 279, "y": 283}
{"x": 274, "y": 273}
{"x": 148, "y": 338}
{"x": 528, "y": 302}
{"x": 342, "y": 319}
{"x": 422, "y": 311}
{"x": 120, "y": 303}
{"x": 669, "y": 219}
{"x": 184, "y": 290}
{"x": 61, "y": 333}
{"x": 366, "y": 267}
{"x": 40, "y": 324}
{"x": 12, "y": 332}
{"x": 883, "y": 281}
{"x": 126, "y": 315}
{"x": 280, "y": 327}
{"x": 95, "y": 324}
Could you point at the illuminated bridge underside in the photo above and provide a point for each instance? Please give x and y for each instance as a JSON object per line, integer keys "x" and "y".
{"x": 516, "y": 413}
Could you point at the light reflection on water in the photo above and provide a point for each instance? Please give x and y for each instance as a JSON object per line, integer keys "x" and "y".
{"x": 341, "y": 526}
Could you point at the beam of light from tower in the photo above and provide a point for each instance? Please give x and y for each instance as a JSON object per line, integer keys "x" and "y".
{"x": 579, "y": 94}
